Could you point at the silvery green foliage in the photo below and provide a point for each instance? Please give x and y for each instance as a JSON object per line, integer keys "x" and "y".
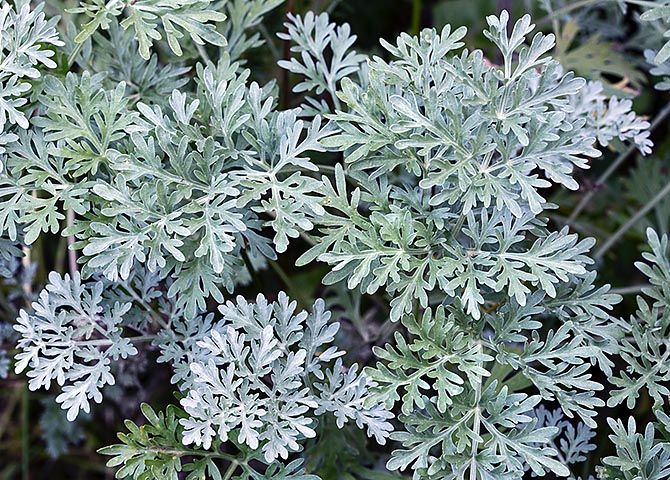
{"x": 440, "y": 193}
{"x": 179, "y": 346}
{"x": 186, "y": 198}
{"x": 258, "y": 379}
{"x": 10, "y": 254}
{"x": 183, "y": 194}
{"x": 58, "y": 433}
{"x": 660, "y": 70}
{"x": 440, "y": 148}
{"x": 154, "y": 20}
{"x": 644, "y": 347}
{"x": 644, "y": 350}
{"x": 324, "y": 56}
{"x": 50, "y": 170}
{"x": 659, "y": 11}
{"x": 639, "y": 456}
{"x": 573, "y": 444}
{"x": 609, "y": 118}
{"x": 448, "y": 379}
{"x": 184, "y": 182}
{"x": 243, "y": 17}
{"x": 71, "y": 336}
{"x": 79, "y": 335}
{"x": 26, "y": 37}
{"x": 114, "y": 55}
{"x": 265, "y": 377}
{"x": 6, "y": 339}
{"x": 155, "y": 450}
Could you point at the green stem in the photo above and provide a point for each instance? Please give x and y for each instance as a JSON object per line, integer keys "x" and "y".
{"x": 417, "y": 8}
{"x": 332, "y": 6}
{"x": 458, "y": 225}
{"x": 662, "y": 115}
{"x": 630, "y": 290}
{"x": 632, "y": 221}
{"x": 231, "y": 469}
{"x": 269, "y": 41}
{"x": 477, "y": 418}
{"x": 203, "y": 53}
{"x": 569, "y": 8}
{"x": 25, "y": 434}
{"x": 303, "y": 300}
{"x": 585, "y": 3}
{"x": 73, "y": 55}
{"x": 252, "y": 270}
{"x": 16, "y": 395}
{"x": 285, "y": 97}
{"x": 71, "y": 252}
{"x": 156, "y": 317}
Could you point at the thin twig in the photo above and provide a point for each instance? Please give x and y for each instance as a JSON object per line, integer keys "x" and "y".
{"x": 203, "y": 53}
{"x": 73, "y": 54}
{"x": 25, "y": 433}
{"x": 333, "y": 5}
{"x": 252, "y": 271}
{"x": 569, "y": 8}
{"x": 155, "y": 316}
{"x": 231, "y": 469}
{"x": 285, "y": 81}
{"x": 71, "y": 252}
{"x": 586, "y": 3}
{"x": 662, "y": 115}
{"x": 26, "y": 286}
{"x": 417, "y": 8}
{"x": 16, "y": 395}
{"x": 633, "y": 289}
{"x": 303, "y": 300}
{"x": 631, "y": 222}
{"x": 269, "y": 41}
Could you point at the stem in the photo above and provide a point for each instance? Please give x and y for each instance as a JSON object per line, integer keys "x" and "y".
{"x": 26, "y": 286}
{"x": 71, "y": 252}
{"x": 285, "y": 81}
{"x": 142, "y": 338}
{"x": 302, "y": 298}
{"x": 633, "y": 289}
{"x": 16, "y": 395}
{"x": 203, "y": 53}
{"x": 252, "y": 270}
{"x": 586, "y": 3}
{"x": 25, "y": 436}
{"x": 175, "y": 452}
{"x": 281, "y": 273}
{"x": 269, "y": 41}
{"x": 25, "y": 400}
{"x": 476, "y": 424}
{"x": 73, "y": 55}
{"x": 332, "y": 6}
{"x": 631, "y": 222}
{"x": 569, "y": 8}
{"x": 555, "y": 26}
{"x": 231, "y": 469}
{"x": 456, "y": 229}
{"x": 152, "y": 313}
{"x": 417, "y": 8}
{"x": 662, "y": 115}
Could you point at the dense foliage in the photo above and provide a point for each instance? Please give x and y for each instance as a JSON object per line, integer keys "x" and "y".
{"x": 277, "y": 256}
